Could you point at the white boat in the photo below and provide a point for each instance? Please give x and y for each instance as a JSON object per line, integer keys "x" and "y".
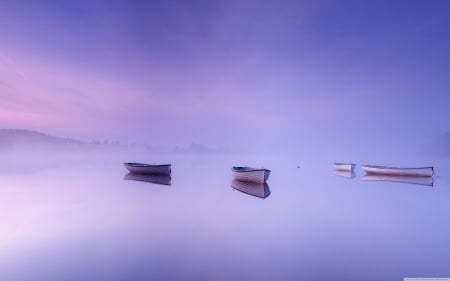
{"x": 344, "y": 166}
{"x": 428, "y": 181}
{"x": 415, "y": 172}
{"x": 139, "y": 168}
{"x": 260, "y": 190}
{"x": 150, "y": 178}
{"x": 248, "y": 174}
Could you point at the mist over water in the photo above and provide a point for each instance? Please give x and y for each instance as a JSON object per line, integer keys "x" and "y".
{"x": 73, "y": 216}
{"x": 291, "y": 86}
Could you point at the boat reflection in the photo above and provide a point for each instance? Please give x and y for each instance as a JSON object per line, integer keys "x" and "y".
{"x": 157, "y": 179}
{"x": 260, "y": 190}
{"x": 345, "y": 174}
{"x": 428, "y": 181}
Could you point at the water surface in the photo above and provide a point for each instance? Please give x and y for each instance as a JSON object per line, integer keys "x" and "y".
{"x": 81, "y": 220}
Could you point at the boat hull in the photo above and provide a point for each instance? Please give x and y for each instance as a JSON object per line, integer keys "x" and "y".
{"x": 138, "y": 168}
{"x": 250, "y": 174}
{"x": 344, "y": 167}
{"x": 345, "y": 174}
{"x": 150, "y": 178}
{"x": 260, "y": 190}
{"x": 412, "y": 172}
{"x": 427, "y": 181}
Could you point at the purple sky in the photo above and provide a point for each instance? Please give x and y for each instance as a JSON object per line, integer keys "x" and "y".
{"x": 225, "y": 72}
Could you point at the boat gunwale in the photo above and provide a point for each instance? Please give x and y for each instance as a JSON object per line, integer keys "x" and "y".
{"x": 248, "y": 169}
{"x": 133, "y": 164}
{"x": 339, "y": 163}
{"x": 398, "y": 168}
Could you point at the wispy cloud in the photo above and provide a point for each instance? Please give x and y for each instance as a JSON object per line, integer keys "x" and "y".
{"x": 189, "y": 71}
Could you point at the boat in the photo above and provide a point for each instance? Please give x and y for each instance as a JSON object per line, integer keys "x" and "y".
{"x": 248, "y": 174}
{"x": 344, "y": 166}
{"x": 260, "y": 190}
{"x": 345, "y": 174}
{"x": 139, "y": 168}
{"x": 150, "y": 178}
{"x": 415, "y": 172}
{"x": 428, "y": 181}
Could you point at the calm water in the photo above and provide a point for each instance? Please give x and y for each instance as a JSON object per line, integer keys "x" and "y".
{"x": 82, "y": 220}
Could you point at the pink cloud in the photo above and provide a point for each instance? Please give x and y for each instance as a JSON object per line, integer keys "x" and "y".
{"x": 62, "y": 98}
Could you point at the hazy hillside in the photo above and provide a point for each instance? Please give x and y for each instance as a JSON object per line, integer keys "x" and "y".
{"x": 12, "y": 139}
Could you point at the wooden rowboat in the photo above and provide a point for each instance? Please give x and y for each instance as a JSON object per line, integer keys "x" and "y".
{"x": 260, "y": 190}
{"x": 344, "y": 166}
{"x": 394, "y": 171}
{"x": 139, "y": 168}
{"x": 248, "y": 174}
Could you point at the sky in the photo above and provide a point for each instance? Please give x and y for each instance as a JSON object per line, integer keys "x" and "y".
{"x": 226, "y": 72}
